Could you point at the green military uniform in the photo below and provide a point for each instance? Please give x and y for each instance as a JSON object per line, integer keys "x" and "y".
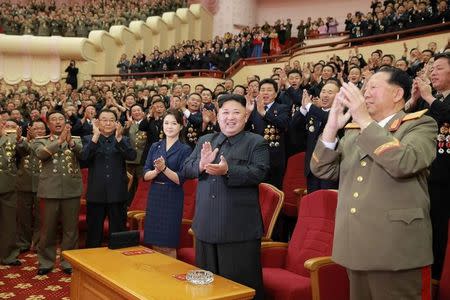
{"x": 138, "y": 140}
{"x": 43, "y": 29}
{"x": 28, "y": 213}
{"x": 69, "y": 29}
{"x": 383, "y": 227}
{"x": 59, "y": 190}
{"x": 28, "y": 27}
{"x": 8, "y": 174}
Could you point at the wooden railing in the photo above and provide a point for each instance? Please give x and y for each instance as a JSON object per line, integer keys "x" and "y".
{"x": 162, "y": 74}
{"x": 299, "y": 47}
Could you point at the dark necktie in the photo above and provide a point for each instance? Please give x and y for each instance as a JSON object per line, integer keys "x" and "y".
{"x": 266, "y": 107}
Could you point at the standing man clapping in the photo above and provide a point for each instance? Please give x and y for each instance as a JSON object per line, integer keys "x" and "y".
{"x": 106, "y": 153}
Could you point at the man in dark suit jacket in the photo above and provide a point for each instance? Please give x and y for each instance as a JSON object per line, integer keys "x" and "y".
{"x": 227, "y": 223}
{"x": 310, "y": 121}
{"x": 439, "y": 189}
{"x": 271, "y": 120}
{"x": 106, "y": 152}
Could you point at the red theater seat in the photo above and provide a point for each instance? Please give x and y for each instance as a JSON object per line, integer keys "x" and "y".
{"x": 284, "y": 273}
{"x": 270, "y": 201}
{"x": 294, "y": 183}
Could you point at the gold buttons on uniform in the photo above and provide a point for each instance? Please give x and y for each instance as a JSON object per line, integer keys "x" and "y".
{"x": 359, "y": 178}
{"x": 355, "y": 195}
{"x": 363, "y": 163}
{"x": 353, "y": 210}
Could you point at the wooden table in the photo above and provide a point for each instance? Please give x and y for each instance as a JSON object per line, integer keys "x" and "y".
{"x": 102, "y": 273}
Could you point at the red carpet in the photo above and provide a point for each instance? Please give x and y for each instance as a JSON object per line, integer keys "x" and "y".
{"x": 23, "y": 283}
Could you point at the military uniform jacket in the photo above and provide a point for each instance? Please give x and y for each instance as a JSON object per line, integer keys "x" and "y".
{"x": 30, "y": 166}
{"x": 382, "y": 216}
{"x": 227, "y": 207}
{"x": 60, "y": 177}
{"x": 273, "y": 127}
{"x": 138, "y": 139}
{"x": 8, "y": 167}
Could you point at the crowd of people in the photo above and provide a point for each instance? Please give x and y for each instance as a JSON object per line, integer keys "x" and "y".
{"x": 45, "y": 18}
{"x": 390, "y": 16}
{"x": 148, "y": 127}
{"x": 217, "y": 54}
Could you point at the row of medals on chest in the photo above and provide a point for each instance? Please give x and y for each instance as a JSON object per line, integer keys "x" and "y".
{"x": 443, "y": 139}
{"x": 10, "y": 153}
{"x": 66, "y": 158}
{"x": 192, "y": 134}
{"x": 272, "y": 135}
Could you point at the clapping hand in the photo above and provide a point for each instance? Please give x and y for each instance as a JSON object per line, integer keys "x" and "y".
{"x": 160, "y": 164}
{"x": 129, "y": 121}
{"x": 218, "y": 169}
{"x": 260, "y": 106}
{"x": 63, "y": 136}
{"x": 306, "y": 99}
{"x": 30, "y": 133}
{"x": 69, "y": 139}
{"x": 354, "y": 100}
{"x": 336, "y": 118}
{"x": 207, "y": 155}
{"x": 119, "y": 131}
{"x": 19, "y": 133}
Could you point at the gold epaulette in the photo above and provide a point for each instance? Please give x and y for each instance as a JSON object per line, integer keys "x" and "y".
{"x": 412, "y": 116}
{"x": 352, "y": 126}
{"x": 76, "y": 137}
{"x": 415, "y": 115}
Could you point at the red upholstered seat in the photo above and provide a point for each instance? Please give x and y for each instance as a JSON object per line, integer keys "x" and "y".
{"x": 139, "y": 203}
{"x": 278, "y": 281}
{"x": 312, "y": 237}
{"x": 270, "y": 200}
{"x": 82, "y": 226}
{"x": 444, "y": 284}
{"x": 293, "y": 179}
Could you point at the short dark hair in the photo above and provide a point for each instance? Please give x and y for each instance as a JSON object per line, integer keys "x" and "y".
{"x": 269, "y": 81}
{"x": 55, "y": 111}
{"x": 106, "y": 110}
{"x": 399, "y": 78}
{"x": 444, "y": 55}
{"x": 232, "y": 97}
{"x": 294, "y": 71}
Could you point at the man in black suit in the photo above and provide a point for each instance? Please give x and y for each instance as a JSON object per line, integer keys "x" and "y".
{"x": 193, "y": 119}
{"x": 439, "y": 189}
{"x": 271, "y": 120}
{"x": 310, "y": 121}
{"x": 106, "y": 153}
{"x": 227, "y": 222}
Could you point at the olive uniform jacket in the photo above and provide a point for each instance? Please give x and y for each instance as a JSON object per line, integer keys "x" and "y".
{"x": 9, "y": 151}
{"x": 382, "y": 216}
{"x": 60, "y": 177}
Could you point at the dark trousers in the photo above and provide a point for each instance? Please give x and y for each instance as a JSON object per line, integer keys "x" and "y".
{"x": 137, "y": 172}
{"x": 314, "y": 184}
{"x": 28, "y": 216}
{"x": 414, "y": 284}
{"x": 440, "y": 215}
{"x": 95, "y": 217}
{"x": 239, "y": 261}
{"x": 275, "y": 176}
{"x": 8, "y": 249}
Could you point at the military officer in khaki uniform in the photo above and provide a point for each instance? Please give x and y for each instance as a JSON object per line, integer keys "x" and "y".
{"x": 59, "y": 190}
{"x": 138, "y": 140}
{"x": 10, "y": 145}
{"x": 383, "y": 228}
{"x": 26, "y": 186}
